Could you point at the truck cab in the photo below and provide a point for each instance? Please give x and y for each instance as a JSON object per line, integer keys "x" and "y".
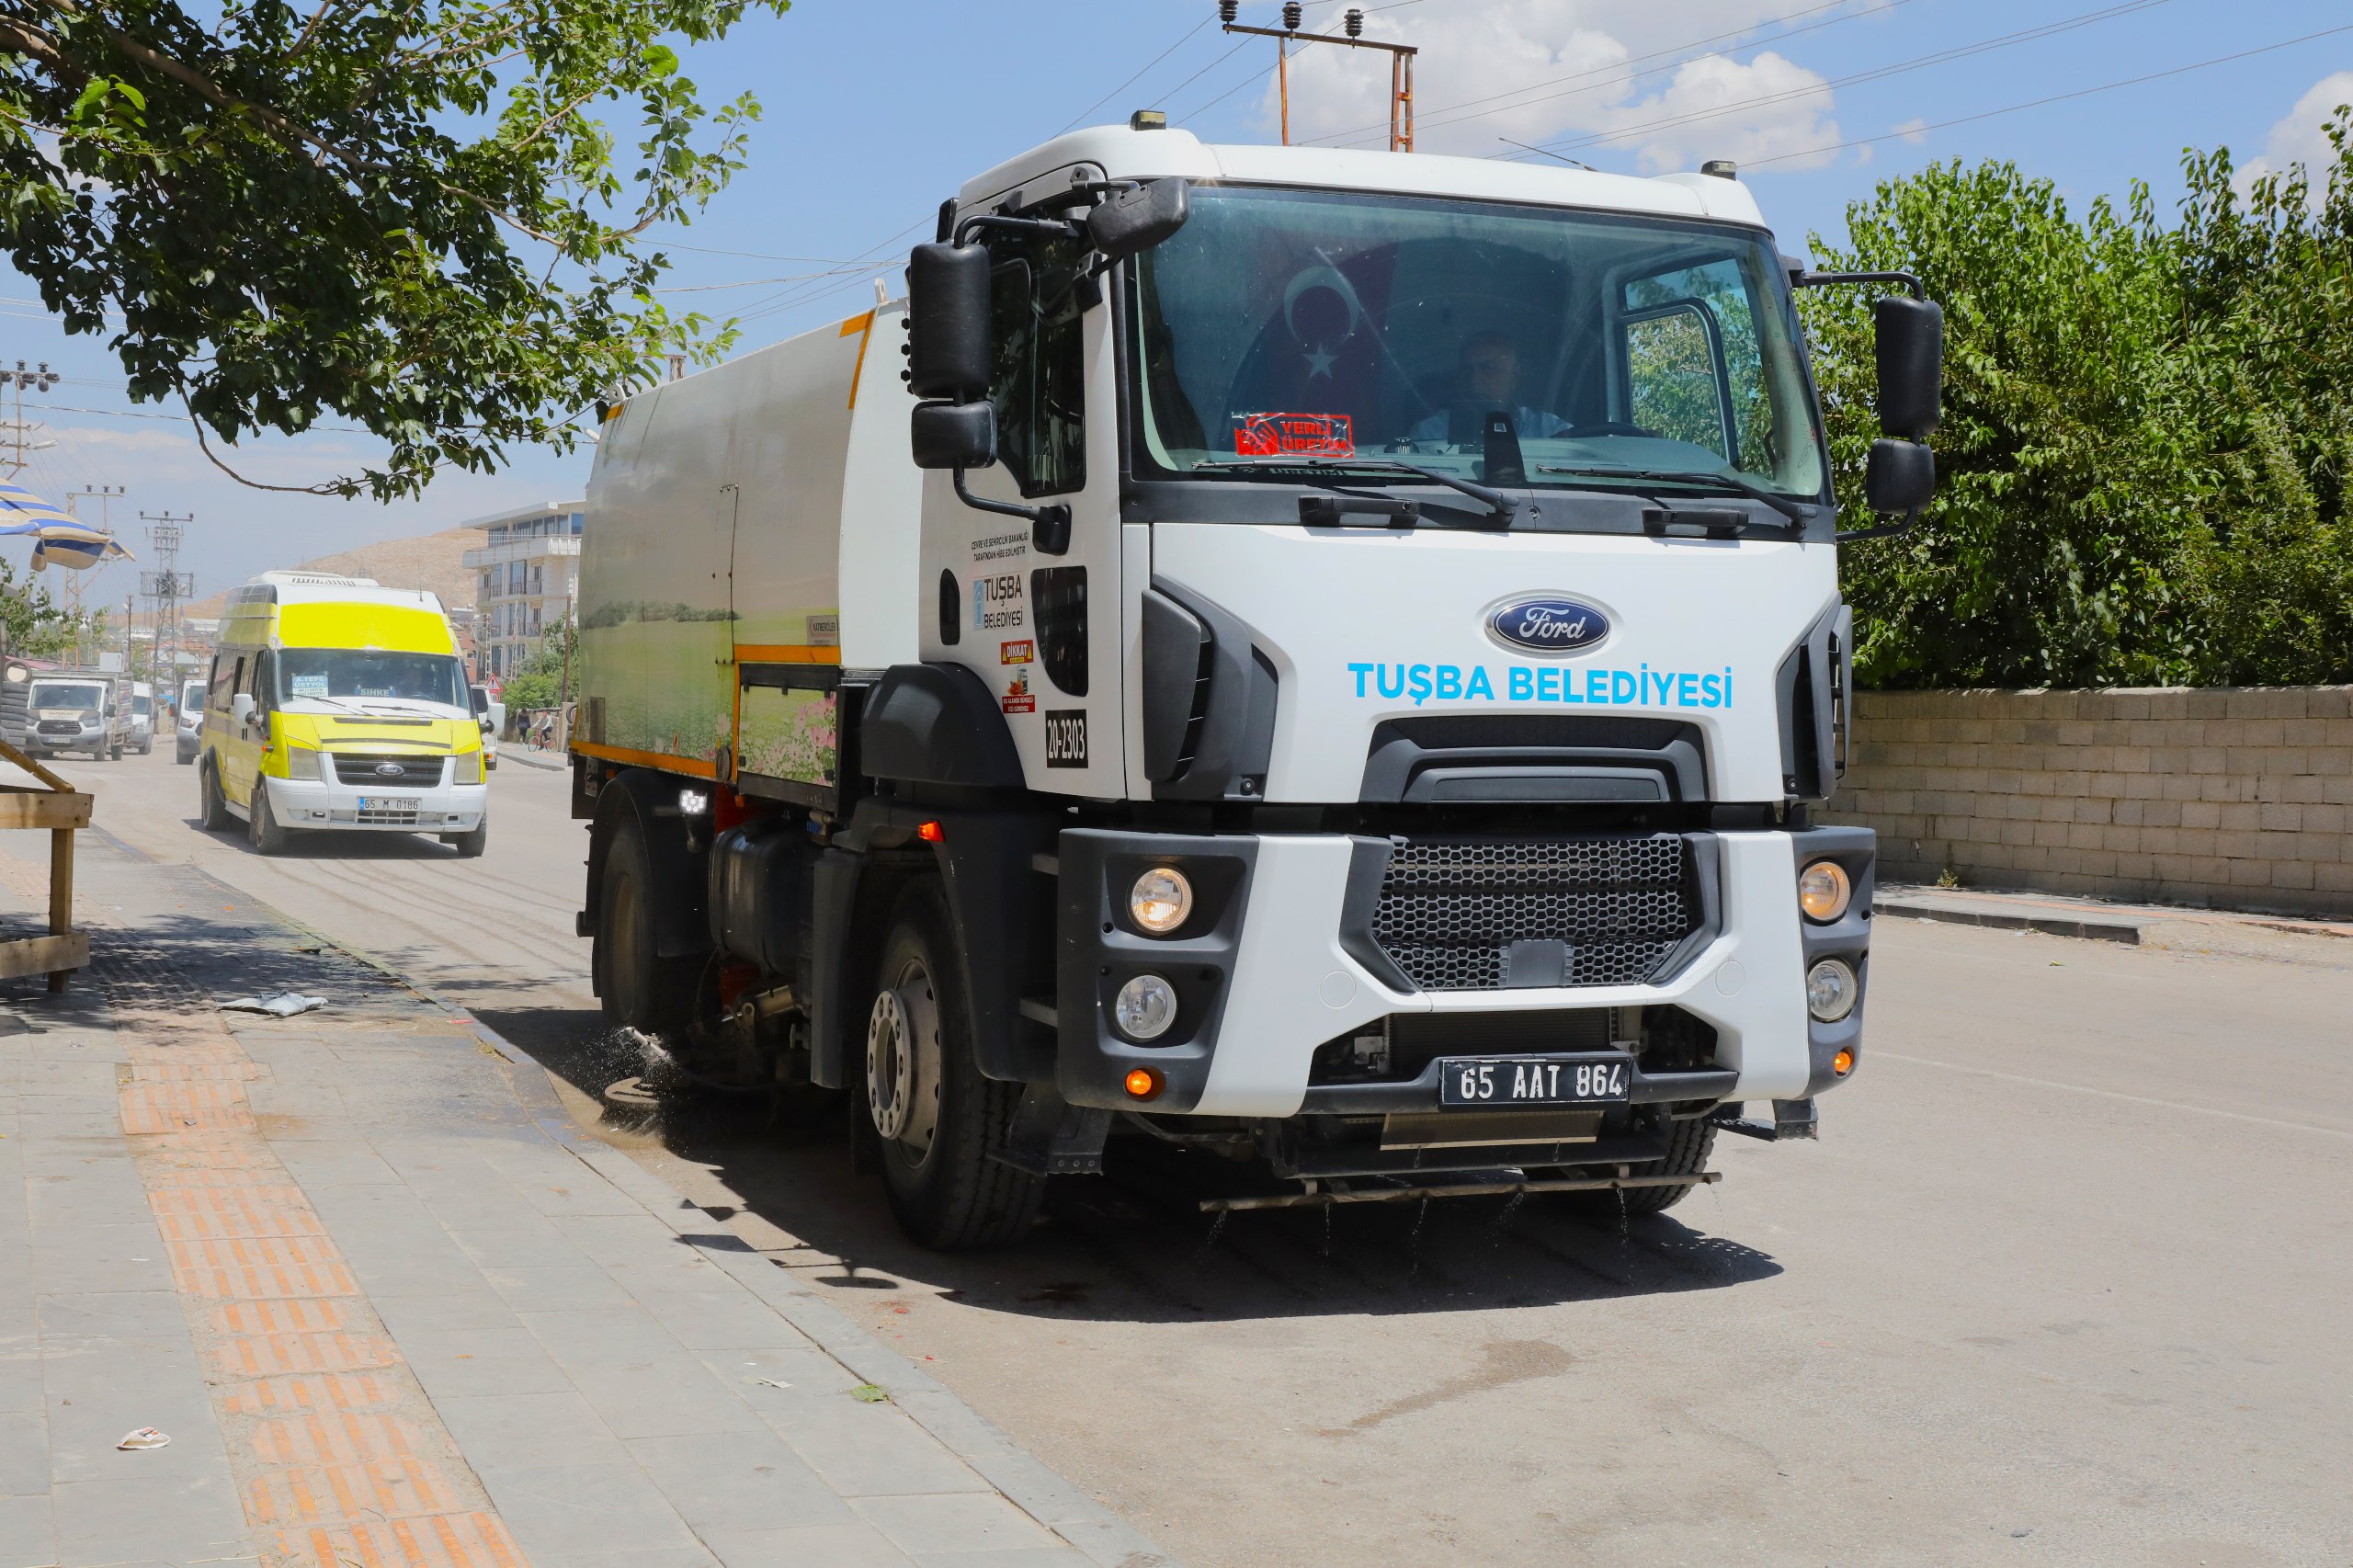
{"x": 1371, "y": 649}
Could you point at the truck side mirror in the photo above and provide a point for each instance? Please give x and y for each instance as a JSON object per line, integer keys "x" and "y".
{"x": 241, "y": 706}
{"x": 948, "y": 322}
{"x": 1910, "y": 350}
{"x": 1900, "y": 477}
{"x": 1134, "y": 220}
{"x": 954, "y": 435}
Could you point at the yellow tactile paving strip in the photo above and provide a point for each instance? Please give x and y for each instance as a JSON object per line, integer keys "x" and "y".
{"x": 341, "y": 1459}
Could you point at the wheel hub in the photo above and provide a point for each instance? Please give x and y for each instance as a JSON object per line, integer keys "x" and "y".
{"x": 902, "y": 1063}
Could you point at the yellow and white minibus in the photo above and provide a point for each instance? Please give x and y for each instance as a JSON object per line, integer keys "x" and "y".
{"x": 336, "y": 704}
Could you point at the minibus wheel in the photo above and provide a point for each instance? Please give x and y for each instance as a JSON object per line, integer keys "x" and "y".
{"x": 261, "y": 822}
{"x": 471, "y": 845}
{"x": 212, "y": 812}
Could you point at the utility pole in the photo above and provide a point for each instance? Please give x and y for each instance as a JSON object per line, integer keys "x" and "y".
{"x": 106, "y": 495}
{"x": 16, "y": 441}
{"x": 168, "y": 585}
{"x": 1351, "y": 36}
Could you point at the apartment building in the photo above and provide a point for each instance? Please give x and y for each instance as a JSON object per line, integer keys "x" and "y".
{"x": 527, "y": 577}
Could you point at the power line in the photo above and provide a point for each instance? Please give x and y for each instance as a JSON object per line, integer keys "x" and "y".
{"x": 1138, "y": 76}
{"x": 1685, "y": 52}
{"x": 1918, "y": 63}
{"x": 2055, "y": 98}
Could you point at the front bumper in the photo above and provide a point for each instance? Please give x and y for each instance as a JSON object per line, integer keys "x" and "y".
{"x": 1278, "y": 961}
{"x": 442, "y": 808}
{"x": 36, "y": 744}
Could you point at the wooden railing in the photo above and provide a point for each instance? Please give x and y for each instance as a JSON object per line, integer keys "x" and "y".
{"x": 59, "y": 807}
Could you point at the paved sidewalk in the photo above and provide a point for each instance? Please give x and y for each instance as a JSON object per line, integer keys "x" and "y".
{"x": 394, "y": 1309}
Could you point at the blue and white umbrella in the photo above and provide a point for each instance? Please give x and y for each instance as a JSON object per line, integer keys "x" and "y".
{"x": 57, "y": 536}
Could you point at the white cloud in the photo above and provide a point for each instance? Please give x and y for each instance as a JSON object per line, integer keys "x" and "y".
{"x": 1915, "y": 130}
{"x": 1537, "y": 70}
{"x": 2297, "y": 138}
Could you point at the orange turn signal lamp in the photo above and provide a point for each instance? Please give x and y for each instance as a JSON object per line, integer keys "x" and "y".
{"x": 931, "y": 833}
{"x": 1144, "y": 1084}
{"x": 1843, "y": 1063}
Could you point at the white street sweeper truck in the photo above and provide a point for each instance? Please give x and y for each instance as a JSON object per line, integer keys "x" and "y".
{"x": 1322, "y": 659}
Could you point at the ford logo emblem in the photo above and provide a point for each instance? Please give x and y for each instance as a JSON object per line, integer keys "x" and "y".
{"x": 1548, "y": 623}
{"x": 389, "y": 770}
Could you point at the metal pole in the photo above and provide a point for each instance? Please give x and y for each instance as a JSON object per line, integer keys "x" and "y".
{"x": 1283, "y": 74}
{"x": 1405, "y": 103}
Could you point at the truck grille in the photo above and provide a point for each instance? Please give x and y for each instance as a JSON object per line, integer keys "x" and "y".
{"x": 59, "y": 727}
{"x": 360, "y": 769}
{"x": 1450, "y": 908}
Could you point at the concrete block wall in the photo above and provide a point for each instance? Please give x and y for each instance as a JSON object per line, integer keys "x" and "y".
{"x": 2229, "y": 798}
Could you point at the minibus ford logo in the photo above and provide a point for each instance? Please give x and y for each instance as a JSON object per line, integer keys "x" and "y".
{"x": 1548, "y": 623}
{"x": 389, "y": 770}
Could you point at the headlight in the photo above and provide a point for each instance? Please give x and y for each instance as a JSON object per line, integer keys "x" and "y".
{"x": 1830, "y": 990}
{"x": 1823, "y": 891}
{"x": 1161, "y": 900}
{"x": 468, "y": 769}
{"x": 1145, "y": 1006}
{"x": 302, "y": 762}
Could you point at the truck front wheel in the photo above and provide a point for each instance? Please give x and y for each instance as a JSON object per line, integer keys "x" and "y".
{"x": 1689, "y": 1144}
{"x": 937, "y": 1121}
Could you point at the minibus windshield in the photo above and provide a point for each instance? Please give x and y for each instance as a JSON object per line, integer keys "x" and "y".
{"x": 328, "y": 673}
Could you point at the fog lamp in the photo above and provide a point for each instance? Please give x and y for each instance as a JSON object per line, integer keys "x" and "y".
{"x": 1144, "y": 1008}
{"x": 1161, "y": 900}
{"x": 1831, "y": 989}
{"x": 302, "y": 762}
{"x": 1823, "y": 891}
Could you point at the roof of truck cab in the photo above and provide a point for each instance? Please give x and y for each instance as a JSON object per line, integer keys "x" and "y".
{"x": 1122, "y": 153}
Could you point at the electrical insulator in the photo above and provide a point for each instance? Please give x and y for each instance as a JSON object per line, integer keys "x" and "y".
{"x": 1291, "y": 16}
{"x": 1354, "y": 22}
{"x": 1228, "y": 9}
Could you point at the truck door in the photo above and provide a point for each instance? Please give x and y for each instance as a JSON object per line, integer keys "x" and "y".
{"x": 1043, "y": 631}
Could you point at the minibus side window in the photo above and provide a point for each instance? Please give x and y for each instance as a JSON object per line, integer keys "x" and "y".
{"x": 264, "y": 681}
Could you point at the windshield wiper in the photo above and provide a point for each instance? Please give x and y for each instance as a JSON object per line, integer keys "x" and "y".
{"x": 1501, "y": 505}
{"x": 1793, "y": 510}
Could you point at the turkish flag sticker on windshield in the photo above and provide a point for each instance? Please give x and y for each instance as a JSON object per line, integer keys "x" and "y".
{"x": 1294, "y": 435}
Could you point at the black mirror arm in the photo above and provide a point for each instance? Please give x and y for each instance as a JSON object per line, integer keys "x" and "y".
{"x": 1880, "y": 530}
{"x": 1833, "y": 280}
{"x": 1049, "y": 526}
{"x": 1052, "y": 228}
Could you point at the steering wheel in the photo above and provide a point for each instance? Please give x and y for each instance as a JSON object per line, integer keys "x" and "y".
{"x": 1608, "y": 427}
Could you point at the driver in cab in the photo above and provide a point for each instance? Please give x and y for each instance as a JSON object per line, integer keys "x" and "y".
{"x": 1488, "y": 380}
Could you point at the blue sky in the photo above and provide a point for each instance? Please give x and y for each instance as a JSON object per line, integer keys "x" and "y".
{"x": 874, "y": 112}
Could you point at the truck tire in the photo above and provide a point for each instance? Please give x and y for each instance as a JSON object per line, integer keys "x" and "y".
{"x": 937, "y": 1121}
{"x": 212, "y": 812}
{"x": 1689, "y": 1144}
{"x": 261, "y": 823}
{"x": 114, "y": 754}
{"x": 638, "y": 987}
{"x": 471, "y": 845}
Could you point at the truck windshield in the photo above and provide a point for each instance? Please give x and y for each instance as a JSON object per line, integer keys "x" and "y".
{"x": 330, "y": 673}
{"x": 1332, "y": 325}
{"x": 83, "y": 694}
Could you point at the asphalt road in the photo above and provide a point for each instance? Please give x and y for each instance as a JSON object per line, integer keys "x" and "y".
{"x": 2066, "y": 1281}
